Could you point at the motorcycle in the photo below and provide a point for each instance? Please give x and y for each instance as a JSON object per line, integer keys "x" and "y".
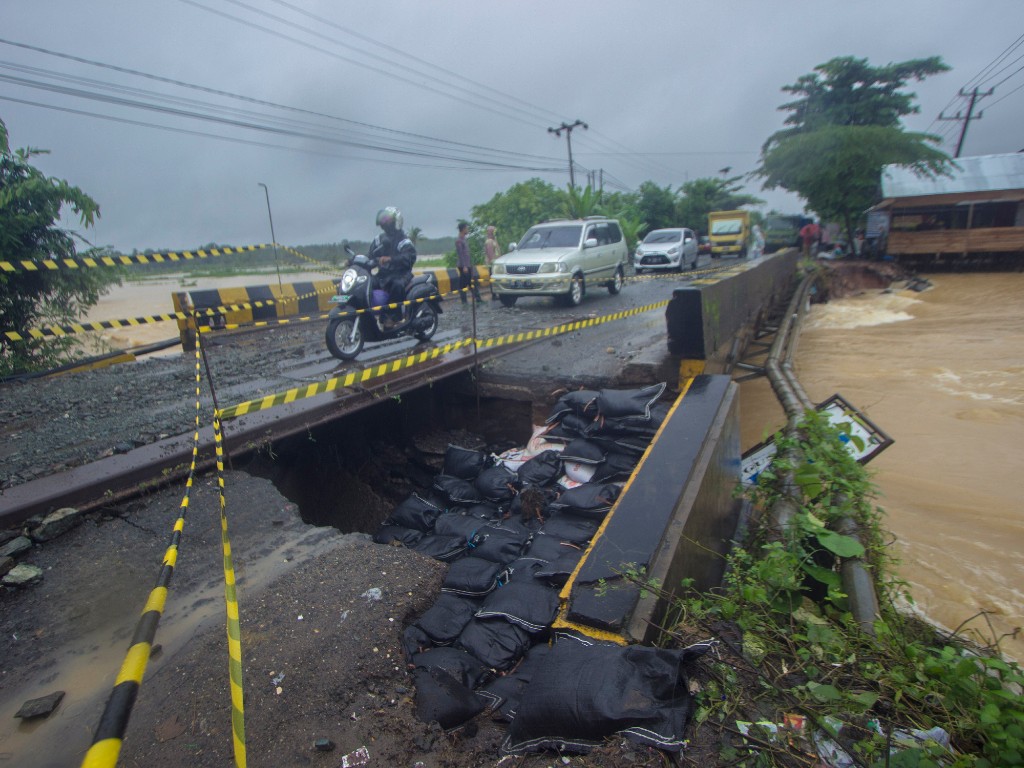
{"x": 357, "y": 318}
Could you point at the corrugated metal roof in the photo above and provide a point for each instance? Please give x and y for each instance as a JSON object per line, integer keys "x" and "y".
{"x": 984, "y": 173}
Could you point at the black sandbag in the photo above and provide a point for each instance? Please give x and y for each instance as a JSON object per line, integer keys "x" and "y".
{"x": 583, "y": 451}
{"x": 389, "y": 534}
{"x": 542, "y": 469}
{"x": 568, "y": 428}
{"x": 456, "y": 662}
{"x": 443, "y": 699}
{"x": 457, "y": 490}
{"x": 524, "y": 569}
{"x": 497, "y": 644}
{"x": 570, "y": 527}
{"x": 504, "y": 692}
{"x": 629, "y": 402}
{"x": 414, "y": 640}
{"x": 447, "y": 617}
{"x": 581, "y": 402}
{"x": 530, "y": 606}
{"x": 585, "y": 693}
{"x": 557, "y": 572}
{"x": 497, "y": 484}
{"x": 617, "y": 464}
{"x": 511, "y": 522}
{"x": 464, "y": 463}
{"x": 456, "y": 524}
{"x": 590, "y": 500}
{"x": 444, "y": 548}
{"x": 484, "y": 510}
{"x": 415, "y": 512}
{"x": 641, "y": 426}
{"x": 471, "y": 577}
{"x": 496, "y": 545}
{"x": 544, "y": 547}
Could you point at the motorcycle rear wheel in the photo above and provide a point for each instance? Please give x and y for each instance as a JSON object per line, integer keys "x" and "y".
{"x": 343, "y": 341}
{"x": 425, "y": 322}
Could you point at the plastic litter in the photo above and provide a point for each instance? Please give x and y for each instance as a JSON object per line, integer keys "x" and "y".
{"x": 373, "y": 595}
{"x": 360, "y": 757}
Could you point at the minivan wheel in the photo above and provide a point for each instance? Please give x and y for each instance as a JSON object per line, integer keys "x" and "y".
{"x": 508, "y": 301}
{"x": 616, "y": 284}
{"x": 575, "y": 294}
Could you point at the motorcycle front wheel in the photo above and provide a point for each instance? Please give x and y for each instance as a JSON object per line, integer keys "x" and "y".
{"x": 344, "y": 338}
{"x": 424, "y": 322}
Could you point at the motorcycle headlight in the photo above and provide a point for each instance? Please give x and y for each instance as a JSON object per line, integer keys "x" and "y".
{"x": 348, "y": 280}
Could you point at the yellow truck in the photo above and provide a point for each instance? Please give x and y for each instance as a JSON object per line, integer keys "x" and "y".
{"x": 729, "y": 232}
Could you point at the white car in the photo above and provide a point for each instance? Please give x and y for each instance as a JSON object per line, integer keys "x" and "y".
{"x": 667, "y": 249}
{"x": 563, "y": 259}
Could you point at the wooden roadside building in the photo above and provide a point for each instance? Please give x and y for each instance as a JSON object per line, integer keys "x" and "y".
{"x": 974, "y": 216}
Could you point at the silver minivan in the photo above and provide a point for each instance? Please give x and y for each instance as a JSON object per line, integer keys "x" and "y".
{"x": 562, "y": 258}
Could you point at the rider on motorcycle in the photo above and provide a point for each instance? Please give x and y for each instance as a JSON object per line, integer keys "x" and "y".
{"x": 395, "y": 254}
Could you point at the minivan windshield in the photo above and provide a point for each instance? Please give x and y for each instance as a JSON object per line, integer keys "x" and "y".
{"x": 552, "y": 237}
{"x": 664, "y": 236}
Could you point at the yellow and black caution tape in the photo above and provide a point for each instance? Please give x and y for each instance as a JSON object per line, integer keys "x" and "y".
{"x": 109, "y": 734}
{"x": 83, "y": 262}
{"x": 102, "y": 325}
{"x": 317, "y": 266}
{"x": 393, "y": 366}
{"x": 234, "y": 629}
{"x": 340, "y": 382}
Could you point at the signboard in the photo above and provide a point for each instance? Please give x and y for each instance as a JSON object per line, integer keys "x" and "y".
{"x": 861, "y": 437}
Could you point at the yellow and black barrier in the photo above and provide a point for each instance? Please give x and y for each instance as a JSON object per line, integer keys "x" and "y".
{"x": 393, "y": 366}
{"x": 83, "y": 262}
{"x": 249, "y": 304}
{"x": 109, "y": 734}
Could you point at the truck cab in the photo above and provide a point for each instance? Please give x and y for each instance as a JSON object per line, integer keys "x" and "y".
{"x": 729, "y": 232}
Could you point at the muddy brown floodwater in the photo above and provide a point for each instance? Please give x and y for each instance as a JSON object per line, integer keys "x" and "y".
{"x": 942, "y": 372}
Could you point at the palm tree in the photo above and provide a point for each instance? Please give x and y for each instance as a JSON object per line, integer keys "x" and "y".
{"x": 579, "y": 203}
{"x": 632, "y": 226}
{"x": 414, "y": 234}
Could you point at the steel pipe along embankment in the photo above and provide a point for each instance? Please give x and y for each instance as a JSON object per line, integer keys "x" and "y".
{"x": 856, "y": 579}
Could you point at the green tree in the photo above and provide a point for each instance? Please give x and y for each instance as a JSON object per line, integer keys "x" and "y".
{"x": 700, "y": 197}
{"x": 414, "y": 234}
{"x": 580, "y": 202}
{"x": 30, "y": 206}
{"x": 656, "y": 206}
{"x": 844, "y": 127}
{"x": 517, "y": 209}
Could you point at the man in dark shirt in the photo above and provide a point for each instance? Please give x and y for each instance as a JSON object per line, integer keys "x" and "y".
{"x": 395, "y": 254}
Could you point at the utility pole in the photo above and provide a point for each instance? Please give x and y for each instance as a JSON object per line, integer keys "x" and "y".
{"x": 273, "y": 238}
{"x": 974, "y": 97}
{"x": 568, "y": 140}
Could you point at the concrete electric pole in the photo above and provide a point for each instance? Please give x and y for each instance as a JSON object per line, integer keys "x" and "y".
{"x": 974, "y": 96}
{"x": 568, "y": 140}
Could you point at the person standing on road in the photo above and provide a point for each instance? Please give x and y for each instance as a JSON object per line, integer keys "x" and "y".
{"x": 491, "y": 251}
{"x": 757, "y": 242}
{"x": 465, "y": 264}
{"x": 809, "y": 233}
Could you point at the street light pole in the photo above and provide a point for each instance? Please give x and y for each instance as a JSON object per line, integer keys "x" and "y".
{"x": 568, "y": 140}
{"x": 273, "y": 237}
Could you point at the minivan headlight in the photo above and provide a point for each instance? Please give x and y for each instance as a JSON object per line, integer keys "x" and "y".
{"x": 498, "y": 269}
{"x": 550, "y": 266}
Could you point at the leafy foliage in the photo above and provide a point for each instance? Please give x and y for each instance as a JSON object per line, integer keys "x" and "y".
{"x": 844, "y": 128}
{"x": 796, "y": 647}
{"x": 518, "y": 208}
{"x": 30, "y": 206}
{"x": 699, "y": 197}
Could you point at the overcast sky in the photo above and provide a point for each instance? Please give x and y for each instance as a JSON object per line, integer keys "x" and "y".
{"x": 341, "y": 108}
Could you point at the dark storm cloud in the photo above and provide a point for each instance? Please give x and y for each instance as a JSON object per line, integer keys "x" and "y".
{"x": 671, "y": 91}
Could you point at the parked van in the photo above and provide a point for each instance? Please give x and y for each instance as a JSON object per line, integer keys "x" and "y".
{"x": 729, "y": 232}
{"x": 562, "y": 258}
